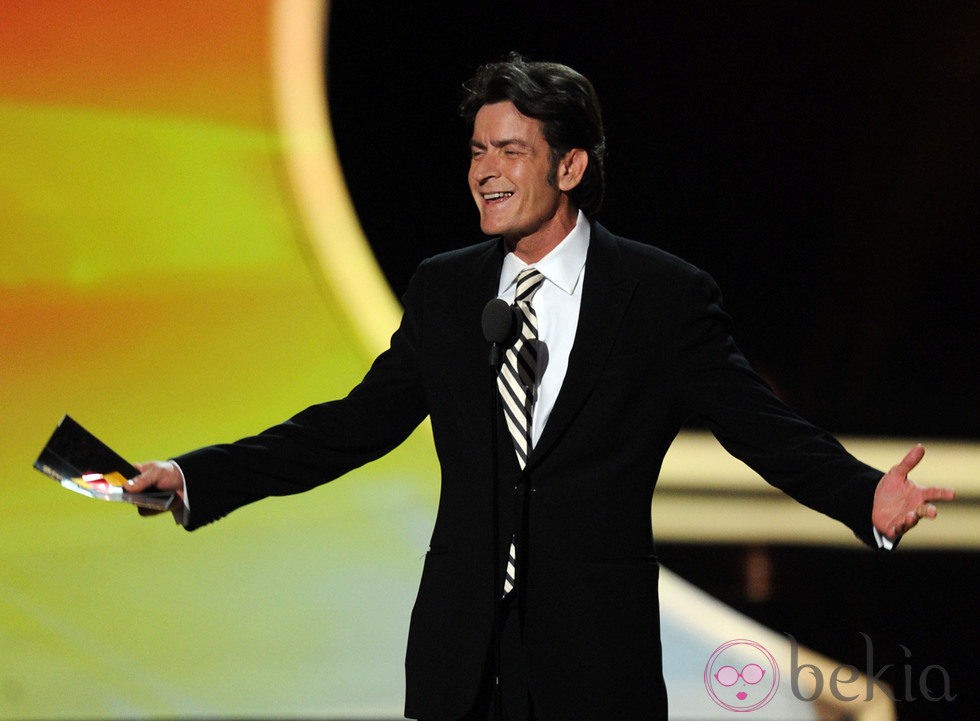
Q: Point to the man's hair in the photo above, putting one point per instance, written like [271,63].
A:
[562,99]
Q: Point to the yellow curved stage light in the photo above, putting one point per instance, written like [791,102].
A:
[316,177]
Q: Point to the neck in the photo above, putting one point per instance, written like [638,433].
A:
[532,248]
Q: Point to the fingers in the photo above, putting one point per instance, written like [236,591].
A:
[902,525]
[144,480]
[925,507]
[911,460]
[911,519]
[935,493]
[143,511]
[163,475]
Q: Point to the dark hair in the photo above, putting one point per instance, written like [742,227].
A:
[562,99]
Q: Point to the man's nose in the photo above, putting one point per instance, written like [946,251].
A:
[486,168]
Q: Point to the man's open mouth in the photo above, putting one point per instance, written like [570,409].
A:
[497,196]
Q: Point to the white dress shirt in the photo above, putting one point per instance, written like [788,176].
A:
[556,305]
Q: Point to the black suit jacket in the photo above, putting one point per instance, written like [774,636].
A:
[653,347]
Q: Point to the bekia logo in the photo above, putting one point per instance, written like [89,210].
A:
[741,675]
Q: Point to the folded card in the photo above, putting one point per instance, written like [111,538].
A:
[82,463]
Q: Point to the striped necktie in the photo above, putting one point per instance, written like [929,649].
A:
[516,381]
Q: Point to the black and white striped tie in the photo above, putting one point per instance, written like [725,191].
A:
[516,381]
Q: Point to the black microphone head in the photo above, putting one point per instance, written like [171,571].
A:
[499,321]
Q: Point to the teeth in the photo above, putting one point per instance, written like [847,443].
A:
[496,196]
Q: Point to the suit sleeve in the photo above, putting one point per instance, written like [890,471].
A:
[717,383]
[322,442]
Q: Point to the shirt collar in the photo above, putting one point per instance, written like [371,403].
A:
[562,265]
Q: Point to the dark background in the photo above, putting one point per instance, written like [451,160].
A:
[820,160]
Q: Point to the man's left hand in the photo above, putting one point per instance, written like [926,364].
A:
[899,503]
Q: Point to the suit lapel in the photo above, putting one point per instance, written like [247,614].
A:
[605,296]
[478,281]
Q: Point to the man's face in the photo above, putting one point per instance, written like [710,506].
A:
[509,175]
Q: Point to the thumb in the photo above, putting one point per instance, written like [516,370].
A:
[911,460]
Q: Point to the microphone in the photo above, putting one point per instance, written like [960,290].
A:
[500,327]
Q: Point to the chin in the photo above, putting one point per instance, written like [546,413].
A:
[490,228]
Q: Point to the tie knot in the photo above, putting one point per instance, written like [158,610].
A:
[528,282]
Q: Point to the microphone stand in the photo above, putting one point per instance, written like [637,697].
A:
[495,408]
[500,326]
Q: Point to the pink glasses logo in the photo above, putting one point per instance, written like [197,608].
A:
[741,675]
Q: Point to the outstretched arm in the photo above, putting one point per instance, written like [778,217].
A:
[899,503]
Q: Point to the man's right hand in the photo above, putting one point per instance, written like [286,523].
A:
[162,476]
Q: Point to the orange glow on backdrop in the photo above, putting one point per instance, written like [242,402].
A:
[200,59]
[157,282]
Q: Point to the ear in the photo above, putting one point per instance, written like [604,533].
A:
[571,168]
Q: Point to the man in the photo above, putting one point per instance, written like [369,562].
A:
[545,577]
